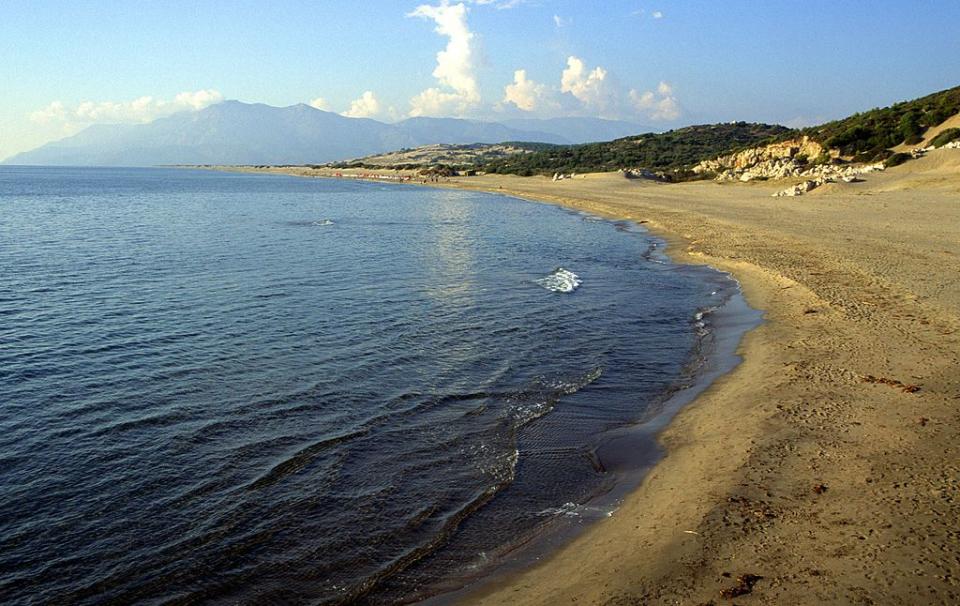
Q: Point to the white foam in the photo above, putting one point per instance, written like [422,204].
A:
[567,509]
[323,222]
[561,280]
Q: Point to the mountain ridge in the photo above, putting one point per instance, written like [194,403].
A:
[233,132]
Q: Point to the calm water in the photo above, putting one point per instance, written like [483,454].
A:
[235,388]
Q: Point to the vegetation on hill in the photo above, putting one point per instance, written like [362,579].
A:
[951,134]
[867,136]
[864,137]
[897,159]
[456,157]
[669,153]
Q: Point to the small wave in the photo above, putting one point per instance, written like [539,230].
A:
[572,387]
[567,509]
[543,396]
[310,223]
[300,459]
[561,280]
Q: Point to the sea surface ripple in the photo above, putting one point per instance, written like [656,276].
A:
[258,389]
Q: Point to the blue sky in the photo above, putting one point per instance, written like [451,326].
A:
[664,63]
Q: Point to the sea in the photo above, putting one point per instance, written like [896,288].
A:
[227,388]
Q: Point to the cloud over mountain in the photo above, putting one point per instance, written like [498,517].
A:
[141,110]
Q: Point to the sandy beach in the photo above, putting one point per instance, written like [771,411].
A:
[826,467]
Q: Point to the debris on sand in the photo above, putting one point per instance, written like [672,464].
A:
[891,382]
[745,583]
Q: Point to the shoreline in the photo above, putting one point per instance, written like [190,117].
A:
[630,452]
[627,452]
[810,471]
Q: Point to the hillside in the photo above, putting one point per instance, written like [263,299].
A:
[670,152]
[868,136]
[743,151]
[462,157]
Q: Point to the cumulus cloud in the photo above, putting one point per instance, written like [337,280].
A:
[656,15]
[197,99]
[457,91]
[588,91]
[140,110]
[320,103]
[659,105]
[595,89]
[366,106]
[55,112]
[527,94]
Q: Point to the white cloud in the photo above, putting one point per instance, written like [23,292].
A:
[661,105]
[527,94]
[499,4]
[656,15]
[561,21]
[320,103]
[366,106]
[55,112]
[595,89]
[140,110]
[458,91]
[197,99]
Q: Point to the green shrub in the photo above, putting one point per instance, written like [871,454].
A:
[868,133]
[897,159]
[909,127]
[823,158]
[669,151]
[951,134]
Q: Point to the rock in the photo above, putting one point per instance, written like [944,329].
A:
[798,190]
[771,157]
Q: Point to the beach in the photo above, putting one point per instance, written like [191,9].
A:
[824,468]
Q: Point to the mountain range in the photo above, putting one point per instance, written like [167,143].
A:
[232,132]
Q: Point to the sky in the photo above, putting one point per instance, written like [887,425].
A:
[664,63]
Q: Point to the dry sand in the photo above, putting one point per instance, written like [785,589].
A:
[828,463]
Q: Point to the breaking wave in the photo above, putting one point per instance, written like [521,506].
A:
[561,280]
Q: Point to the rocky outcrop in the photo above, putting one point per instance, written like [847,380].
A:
[829,173]
[785,160]
[790,159]
[642,173]
[797,190]
[774,161]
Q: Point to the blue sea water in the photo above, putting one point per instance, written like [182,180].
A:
[229,388]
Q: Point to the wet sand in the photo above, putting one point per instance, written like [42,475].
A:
[826,467]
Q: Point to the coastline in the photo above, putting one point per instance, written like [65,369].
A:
[809,466]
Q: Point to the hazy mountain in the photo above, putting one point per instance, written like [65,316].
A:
[240,133]
[455,131]
[226,133]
